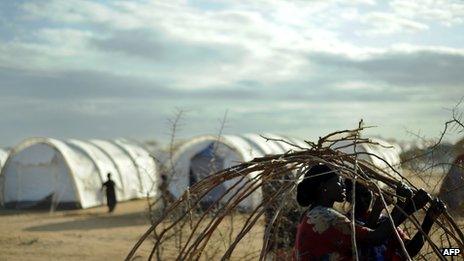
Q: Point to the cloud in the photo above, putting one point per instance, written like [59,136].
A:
[437,69]
[165,50]
[91,85]
[74,85]
[442,11]
[387,23]
[83,12]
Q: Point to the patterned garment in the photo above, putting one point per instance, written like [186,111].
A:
[393,250]
[325,234]
[367,251]
[389,250]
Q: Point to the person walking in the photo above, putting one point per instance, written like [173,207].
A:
[110,193]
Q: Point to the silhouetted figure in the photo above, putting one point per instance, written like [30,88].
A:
[110,193]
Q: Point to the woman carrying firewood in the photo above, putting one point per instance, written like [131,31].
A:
[326,234]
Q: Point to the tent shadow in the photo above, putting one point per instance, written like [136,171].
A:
[102,221]
[13,212]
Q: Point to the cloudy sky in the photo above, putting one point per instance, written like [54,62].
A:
[105,69]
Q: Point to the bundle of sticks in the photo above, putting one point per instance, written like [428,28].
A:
[198,225]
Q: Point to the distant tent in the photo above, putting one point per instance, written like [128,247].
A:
[69,174]
[378,152]
[452,188]
[203,155]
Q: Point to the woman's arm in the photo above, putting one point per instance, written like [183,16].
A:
[386,228]
[402,190]
[376,211]
[436,209]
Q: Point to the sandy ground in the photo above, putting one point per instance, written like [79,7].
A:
[90,234]
[93,234]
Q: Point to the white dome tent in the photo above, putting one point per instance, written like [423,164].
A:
[203,155]
[70,174]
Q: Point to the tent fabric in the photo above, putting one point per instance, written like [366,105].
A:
[230,150]
[3,157]
[71,173]
[452,188]
[380,153]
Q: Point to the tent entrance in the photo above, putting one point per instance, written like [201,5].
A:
[213,158]
[39,178]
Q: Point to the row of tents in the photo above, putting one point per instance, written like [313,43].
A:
[55,173]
